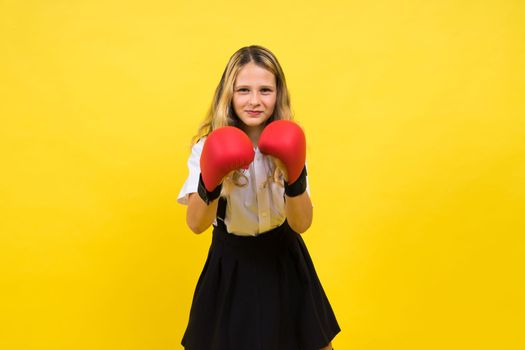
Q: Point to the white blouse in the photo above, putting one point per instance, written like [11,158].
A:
[251,209]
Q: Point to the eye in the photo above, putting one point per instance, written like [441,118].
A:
[266,91]
[242,90]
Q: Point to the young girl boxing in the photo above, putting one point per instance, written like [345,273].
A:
[258,289]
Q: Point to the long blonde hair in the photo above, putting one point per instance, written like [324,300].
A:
[221,112]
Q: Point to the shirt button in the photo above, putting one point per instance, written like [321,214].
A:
[264,214]
[246,203]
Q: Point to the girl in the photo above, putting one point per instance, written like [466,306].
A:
[258,289]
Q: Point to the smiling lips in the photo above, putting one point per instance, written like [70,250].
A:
[254,112]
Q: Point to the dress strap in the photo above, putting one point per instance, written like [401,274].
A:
[221,213]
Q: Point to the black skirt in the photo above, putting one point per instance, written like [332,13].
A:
[259,293]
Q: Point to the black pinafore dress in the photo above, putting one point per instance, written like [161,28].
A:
[259,293]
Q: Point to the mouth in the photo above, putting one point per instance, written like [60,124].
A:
[254,112]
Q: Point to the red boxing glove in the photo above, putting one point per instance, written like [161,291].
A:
[225,149]
[285,140]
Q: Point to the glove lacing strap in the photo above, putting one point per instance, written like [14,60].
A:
[298,187]
[206,195]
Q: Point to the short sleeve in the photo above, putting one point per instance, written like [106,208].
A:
[192,182]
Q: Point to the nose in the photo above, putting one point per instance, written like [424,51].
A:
[254,99]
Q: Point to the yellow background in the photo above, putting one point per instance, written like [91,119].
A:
[415,120]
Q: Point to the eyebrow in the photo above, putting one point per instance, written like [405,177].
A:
[262,86]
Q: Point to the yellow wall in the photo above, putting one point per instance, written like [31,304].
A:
[415,120]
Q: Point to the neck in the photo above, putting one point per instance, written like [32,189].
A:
[253,132]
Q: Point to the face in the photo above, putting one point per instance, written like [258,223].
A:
[254,95]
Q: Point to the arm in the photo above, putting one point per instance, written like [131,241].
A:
[299,212]
[285,142]
[199,215]
[298,209]
[225,149]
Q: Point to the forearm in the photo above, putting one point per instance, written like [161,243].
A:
[299,212]
[200,216]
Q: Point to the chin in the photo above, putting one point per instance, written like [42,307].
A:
[254,122]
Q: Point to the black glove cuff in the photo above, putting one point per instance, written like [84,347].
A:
[298,187]
[206,195]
